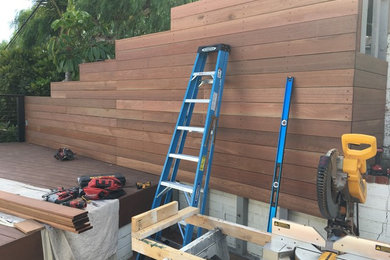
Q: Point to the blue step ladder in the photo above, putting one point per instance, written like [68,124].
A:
[280,153]
[199,78]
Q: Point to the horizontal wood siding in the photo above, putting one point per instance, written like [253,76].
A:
[123,111]
[369,96]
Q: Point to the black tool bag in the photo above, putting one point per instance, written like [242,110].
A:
[64,154]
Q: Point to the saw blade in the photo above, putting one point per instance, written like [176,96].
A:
[327,195]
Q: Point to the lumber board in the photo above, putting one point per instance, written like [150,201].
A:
[164,223]
[304,79]
[363,112]
[370,64]
[322,61]
[153,216]
[101,130]
[326,44]
[85,102]
[90,120]
[29,226]
[313,29]
[86,227]
[241,93]
[10,233]
[227,13]
[369,80]
[102,141]
[47,108]
[242,232]
[163,122]
[364,96]
[159,251]
[37,212]
[79,85]
[199,7]
[301,111]
[297,15]
[47,206]
[375,126]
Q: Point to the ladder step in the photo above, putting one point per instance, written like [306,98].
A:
[204,101]
[184,157]
[203,73]
[177,186]
[191,129]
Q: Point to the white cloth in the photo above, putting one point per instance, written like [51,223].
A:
[100,242]
[22,189]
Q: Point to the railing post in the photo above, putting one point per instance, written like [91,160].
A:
[21,118]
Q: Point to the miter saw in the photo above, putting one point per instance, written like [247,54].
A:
[340,185]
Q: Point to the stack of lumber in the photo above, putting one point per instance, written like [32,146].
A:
[58,216]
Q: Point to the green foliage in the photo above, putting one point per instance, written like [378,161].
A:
[128,18]
[8,132]
[37,31]
[64,33]
[78,40]
[26,71]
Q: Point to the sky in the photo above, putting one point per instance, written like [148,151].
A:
[7,14]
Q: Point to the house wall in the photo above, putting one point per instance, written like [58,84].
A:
[123,111]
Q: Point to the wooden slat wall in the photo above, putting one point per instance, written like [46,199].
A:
[369,96]
[123,111]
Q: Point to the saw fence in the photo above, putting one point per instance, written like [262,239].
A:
[153,221]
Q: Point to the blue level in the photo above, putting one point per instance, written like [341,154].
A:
[280,153]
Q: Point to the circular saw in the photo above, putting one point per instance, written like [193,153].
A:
[340,183]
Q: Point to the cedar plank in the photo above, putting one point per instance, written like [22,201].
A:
[301,31]
[238,11]
[324,61]
[367,79]
[201,6]
[326,44]
[370,64]
[38,204]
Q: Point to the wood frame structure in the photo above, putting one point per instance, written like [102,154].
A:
[156,220]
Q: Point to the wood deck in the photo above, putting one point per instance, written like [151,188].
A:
[35,165]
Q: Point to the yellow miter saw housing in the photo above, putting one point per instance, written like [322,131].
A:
[340,182]
[355,163]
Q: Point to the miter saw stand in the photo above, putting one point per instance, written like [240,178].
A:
[340,186]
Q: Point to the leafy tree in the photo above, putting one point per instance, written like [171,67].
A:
[37,31]
[128,18]
[26,71]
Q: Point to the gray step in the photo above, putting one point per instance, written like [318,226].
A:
[184,157]
[203,73]
[204,101]
[191,129]
[177,186]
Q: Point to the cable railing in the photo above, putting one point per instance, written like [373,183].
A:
[12,118]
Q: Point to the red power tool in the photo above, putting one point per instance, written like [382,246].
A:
[76,203]
[61,195]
